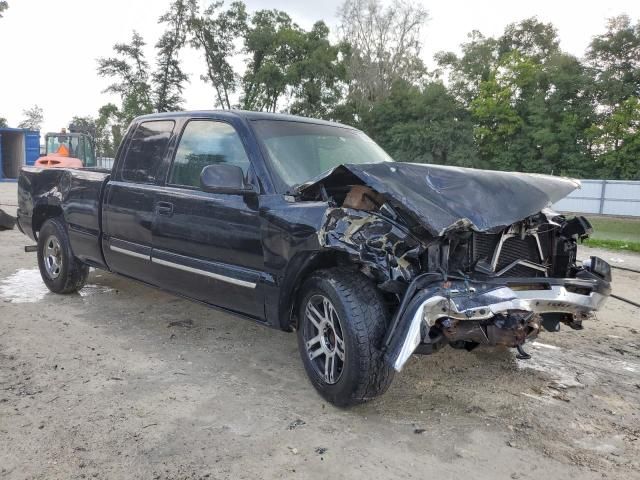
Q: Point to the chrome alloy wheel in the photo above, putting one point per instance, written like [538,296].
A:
[52,257]
[323,338]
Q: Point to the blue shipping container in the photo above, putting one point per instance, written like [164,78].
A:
[18,147]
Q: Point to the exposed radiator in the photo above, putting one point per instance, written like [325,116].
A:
[484,244]
[514,248]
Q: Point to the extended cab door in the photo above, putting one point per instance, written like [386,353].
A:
[129,204]
[207,246]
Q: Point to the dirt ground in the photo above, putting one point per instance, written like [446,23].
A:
[123,381]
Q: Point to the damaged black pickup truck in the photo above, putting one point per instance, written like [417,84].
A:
[307,225]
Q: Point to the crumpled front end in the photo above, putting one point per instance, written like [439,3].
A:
[467,313]
[485,263]
[500,288]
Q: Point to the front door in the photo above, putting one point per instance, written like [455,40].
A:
[207,246]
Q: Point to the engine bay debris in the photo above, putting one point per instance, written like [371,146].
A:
[503,264]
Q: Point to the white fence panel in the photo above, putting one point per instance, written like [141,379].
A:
[604,197]
[578,205]
[623,190]
[591,189]
[104,162]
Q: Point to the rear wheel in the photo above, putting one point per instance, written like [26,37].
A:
[60,270]
[341,321]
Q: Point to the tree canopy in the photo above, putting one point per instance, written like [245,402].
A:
[516,101]
[33,118]
[169,78]
[536,108]
[215,33]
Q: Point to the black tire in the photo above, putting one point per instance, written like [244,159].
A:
[362,320]
[69,274]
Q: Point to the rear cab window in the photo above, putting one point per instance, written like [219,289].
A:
[146,151]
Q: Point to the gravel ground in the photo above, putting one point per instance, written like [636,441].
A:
[124,381]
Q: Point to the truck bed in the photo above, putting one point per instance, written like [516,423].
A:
[74,194]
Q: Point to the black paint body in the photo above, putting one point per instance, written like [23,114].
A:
[259,240]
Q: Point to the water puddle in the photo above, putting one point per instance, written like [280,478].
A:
[92,289]
[26,286]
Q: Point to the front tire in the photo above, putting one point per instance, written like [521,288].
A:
[341,322]
[60,270]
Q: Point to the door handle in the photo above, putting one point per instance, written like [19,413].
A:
[164,208]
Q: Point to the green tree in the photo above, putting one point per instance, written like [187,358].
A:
[86,124]
[91,126]
[529,101]
[274,44]
[532,117]
[568,112]
[169,78]
[287,68]
[496,123]
[614,59]
[109,130]
[3,7]
[3,122]
[34,117]
[318,78]
[477,63]
[291,69]
[215,33]
[530,38]
[618,142]
[422,124]
[129,72]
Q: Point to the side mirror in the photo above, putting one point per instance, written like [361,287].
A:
[224,178]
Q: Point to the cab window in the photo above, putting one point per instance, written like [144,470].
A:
[146,151]
[203,143]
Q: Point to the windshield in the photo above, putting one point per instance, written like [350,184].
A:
[299,151]
[54,142]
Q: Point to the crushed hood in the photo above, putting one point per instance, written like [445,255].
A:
[442,197]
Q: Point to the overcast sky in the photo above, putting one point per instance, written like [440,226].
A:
[48,49]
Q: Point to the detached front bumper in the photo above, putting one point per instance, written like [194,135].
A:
[504,311]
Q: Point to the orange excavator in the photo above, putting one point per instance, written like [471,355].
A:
[73,149]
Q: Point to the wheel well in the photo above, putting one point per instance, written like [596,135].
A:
[41,214]
[304,269]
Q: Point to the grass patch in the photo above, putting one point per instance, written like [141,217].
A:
[613,244]
[614,233]
[614,228]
